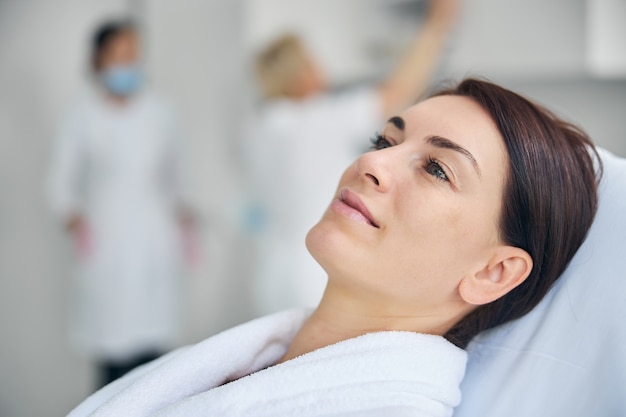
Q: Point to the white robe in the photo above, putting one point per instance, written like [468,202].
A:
[120,168]
[379,374]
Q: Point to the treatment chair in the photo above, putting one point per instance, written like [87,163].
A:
[567,357]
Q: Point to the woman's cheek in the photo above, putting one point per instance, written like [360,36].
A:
[349,174]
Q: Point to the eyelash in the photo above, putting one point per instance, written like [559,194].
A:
[434,163]
[381,142]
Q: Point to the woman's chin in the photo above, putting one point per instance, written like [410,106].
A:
[315,241]
[331,247]
[324,243]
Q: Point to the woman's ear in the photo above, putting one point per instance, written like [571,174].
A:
[508,267]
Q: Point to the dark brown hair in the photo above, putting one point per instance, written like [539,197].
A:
[549,200]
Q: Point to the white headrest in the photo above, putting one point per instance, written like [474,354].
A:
[568,356]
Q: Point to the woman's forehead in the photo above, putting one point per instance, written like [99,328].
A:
[446,110]
[459,119]
[457,116]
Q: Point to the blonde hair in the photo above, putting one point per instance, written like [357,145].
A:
[279,65]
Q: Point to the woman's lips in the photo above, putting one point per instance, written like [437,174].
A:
[349,204]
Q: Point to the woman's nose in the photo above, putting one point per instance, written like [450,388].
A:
[375,168]
[373,178]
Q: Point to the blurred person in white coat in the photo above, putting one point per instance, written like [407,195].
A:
[291,169]
[116,182]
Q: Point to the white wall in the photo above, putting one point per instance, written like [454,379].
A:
[531,38]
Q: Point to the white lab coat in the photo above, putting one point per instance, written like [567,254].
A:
[120,168]
[297,151]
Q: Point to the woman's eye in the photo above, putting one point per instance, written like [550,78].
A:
[434,168]
[379,142]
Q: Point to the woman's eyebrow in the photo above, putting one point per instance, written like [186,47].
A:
[444,143]
[397,121]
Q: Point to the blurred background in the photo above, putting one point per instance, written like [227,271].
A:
[569,55]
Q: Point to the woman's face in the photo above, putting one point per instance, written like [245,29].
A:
[413,217]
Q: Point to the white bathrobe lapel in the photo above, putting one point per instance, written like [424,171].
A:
[384,371]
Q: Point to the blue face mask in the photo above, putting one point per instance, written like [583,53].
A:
[122,80]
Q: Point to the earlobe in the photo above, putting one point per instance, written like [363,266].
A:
[508,268]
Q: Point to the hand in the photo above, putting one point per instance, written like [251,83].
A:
[186,219]
[78,229]
[75,224]
[188,225]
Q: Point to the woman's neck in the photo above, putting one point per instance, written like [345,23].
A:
[339,317]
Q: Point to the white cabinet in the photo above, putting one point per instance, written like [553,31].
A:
[606,38]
